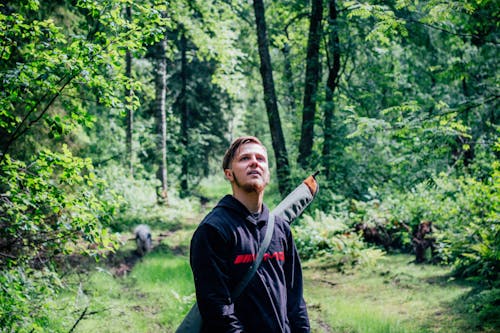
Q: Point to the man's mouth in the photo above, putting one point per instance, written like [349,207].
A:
[254,172]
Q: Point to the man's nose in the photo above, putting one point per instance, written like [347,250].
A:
[253,160]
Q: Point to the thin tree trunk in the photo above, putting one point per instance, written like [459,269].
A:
[184,117]
[161,117]
[311,84]
[128,101]
[278,139]
[331,86]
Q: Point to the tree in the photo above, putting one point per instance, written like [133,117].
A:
[200,111]
[333,58]
[278,140]
[52,201]
[184,115]
[311,84]
[128,101]
[161,118]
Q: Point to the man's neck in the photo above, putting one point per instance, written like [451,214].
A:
[252,201]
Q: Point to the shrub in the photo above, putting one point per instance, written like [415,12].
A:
[53,205]
[139,203]
[24,294]
[329,237]
[483,305]
[474,238]
[465,214]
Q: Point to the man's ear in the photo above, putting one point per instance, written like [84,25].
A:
[229,174]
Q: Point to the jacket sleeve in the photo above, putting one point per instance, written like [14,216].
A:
[296,306]
[209,263]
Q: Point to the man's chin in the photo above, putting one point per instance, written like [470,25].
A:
[256,187]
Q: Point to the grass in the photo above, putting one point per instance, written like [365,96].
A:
[392,296]
[166,280]
[149,299]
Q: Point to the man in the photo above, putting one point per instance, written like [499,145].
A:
[225,245]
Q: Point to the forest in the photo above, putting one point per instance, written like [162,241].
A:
[115,113]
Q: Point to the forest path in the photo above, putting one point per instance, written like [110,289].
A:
[393,295]
[152,293]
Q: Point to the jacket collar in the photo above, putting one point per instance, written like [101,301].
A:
[233,204]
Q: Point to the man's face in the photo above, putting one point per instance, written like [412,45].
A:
[249,169]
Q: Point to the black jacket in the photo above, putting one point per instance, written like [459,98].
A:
[222,249]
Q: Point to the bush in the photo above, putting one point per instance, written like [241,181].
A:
[474,238]
[484,307]
[465,214]
[329,237]
[54,205]
[139,203]
[24,296]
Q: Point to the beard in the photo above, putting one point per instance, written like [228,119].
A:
[256,187]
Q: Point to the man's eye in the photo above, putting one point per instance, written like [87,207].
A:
[260,158]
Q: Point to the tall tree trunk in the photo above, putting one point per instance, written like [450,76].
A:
[311,84]
[184,116]
[288,74]
[128,101]
[278,139]
[161,117]
[331,86]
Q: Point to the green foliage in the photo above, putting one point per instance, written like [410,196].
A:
[51,203]
[203,109]
[475,240]
[387,23]
[329,237]
[483,306]
[412,105]
[25,296]
[51,206]
[138,204]
[49,71]
[464,212]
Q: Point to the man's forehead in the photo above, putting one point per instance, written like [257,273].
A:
[249,148]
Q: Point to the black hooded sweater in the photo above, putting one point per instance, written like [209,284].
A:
[223,248]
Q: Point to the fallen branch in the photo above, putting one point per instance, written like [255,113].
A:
[79,319]
[327,282]
[83,315]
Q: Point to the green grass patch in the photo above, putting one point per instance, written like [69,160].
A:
[394,296]
[152,298]
[166,280]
